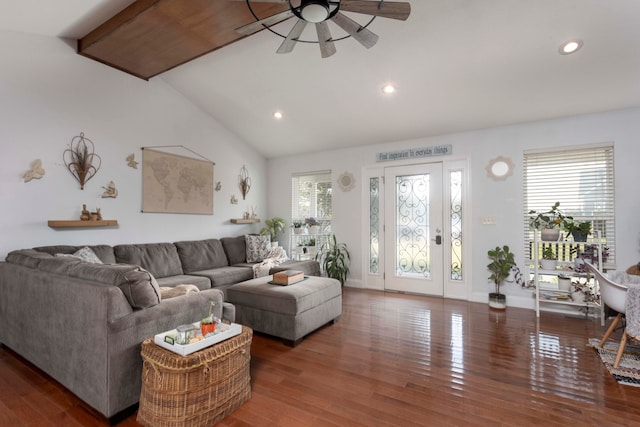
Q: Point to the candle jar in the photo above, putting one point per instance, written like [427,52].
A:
[185,333]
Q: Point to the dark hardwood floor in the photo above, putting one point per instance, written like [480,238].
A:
[395,360]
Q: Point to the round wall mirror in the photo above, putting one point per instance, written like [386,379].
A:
[346,181]
[500,168]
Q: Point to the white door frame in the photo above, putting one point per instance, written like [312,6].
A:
[457,289]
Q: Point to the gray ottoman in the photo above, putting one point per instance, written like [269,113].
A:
[289,312]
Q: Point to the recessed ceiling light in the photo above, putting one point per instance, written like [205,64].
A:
[277,115]
[389,89]
[570,46]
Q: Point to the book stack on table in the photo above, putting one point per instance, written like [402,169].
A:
[287,277]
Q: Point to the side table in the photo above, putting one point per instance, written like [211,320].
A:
[198,389]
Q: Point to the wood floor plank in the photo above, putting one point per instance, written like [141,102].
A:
[394,360]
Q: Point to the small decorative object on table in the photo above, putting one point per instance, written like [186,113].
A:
[287,277]
[208,324]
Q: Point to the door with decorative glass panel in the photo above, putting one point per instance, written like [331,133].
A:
[413,231]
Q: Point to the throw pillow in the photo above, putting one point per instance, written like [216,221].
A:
[85,254]
[258,247]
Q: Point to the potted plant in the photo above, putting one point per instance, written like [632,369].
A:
[548,222]
[549,260]
[583,291]
[589,253]
[297,226]
[313,225]
[578,229]
[271,228]
[208,324]
[335,259]
[502,260]
[564,282]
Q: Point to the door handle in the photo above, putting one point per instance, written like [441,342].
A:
[438,240]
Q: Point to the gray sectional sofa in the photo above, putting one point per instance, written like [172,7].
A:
[83,323]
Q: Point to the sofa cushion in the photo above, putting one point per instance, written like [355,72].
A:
[226,275]
[201,254]
[160,259]
[258,247]
[235,248]
[140,288]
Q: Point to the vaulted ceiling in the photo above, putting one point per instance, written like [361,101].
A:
[458,65]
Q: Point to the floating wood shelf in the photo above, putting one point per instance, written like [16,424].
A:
[244,221]
[53,223]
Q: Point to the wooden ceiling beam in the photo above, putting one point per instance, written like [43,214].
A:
[150,37]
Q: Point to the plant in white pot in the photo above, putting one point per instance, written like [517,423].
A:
[502,260]
[548,222]
[271,228]
[549,260]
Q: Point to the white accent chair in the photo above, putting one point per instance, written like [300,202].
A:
[615,296]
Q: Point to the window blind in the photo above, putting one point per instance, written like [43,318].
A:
[581,179]
[311,196]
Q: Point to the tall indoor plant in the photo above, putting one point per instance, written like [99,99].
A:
[502,260]
[271,228]
[335,259]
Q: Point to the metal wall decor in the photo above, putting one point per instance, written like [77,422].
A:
[245,182]
[81,160]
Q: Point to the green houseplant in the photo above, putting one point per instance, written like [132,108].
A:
[335,259]
[502,260]
[578,229]
[272,227]
[548,222]
[549,260]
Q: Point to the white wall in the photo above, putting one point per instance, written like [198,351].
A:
[48,95]
[502,200]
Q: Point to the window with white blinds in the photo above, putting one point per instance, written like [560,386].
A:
[581,179]
[311,196]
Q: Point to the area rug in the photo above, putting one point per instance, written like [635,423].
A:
[628,371]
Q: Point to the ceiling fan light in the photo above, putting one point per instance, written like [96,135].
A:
[314,12]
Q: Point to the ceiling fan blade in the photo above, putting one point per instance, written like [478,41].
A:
[289,43]
[355,30]
[254,27]
[385,9]
[327,47]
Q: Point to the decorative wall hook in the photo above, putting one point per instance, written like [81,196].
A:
[245,182]
[79,159]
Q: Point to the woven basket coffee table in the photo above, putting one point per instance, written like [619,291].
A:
[198,389]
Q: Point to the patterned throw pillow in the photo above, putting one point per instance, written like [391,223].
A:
[85,254]
[258,247]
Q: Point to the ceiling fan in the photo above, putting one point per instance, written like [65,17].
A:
[319,12]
